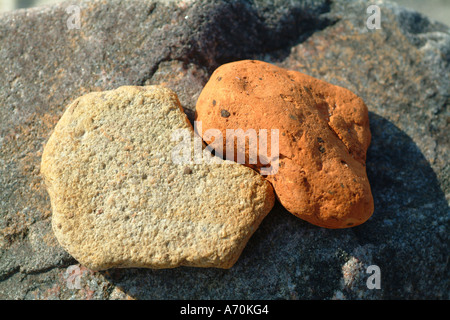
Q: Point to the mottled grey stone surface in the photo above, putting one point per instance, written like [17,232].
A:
[402,71]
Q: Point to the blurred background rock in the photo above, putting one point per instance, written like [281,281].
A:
[8,5]
[435,9]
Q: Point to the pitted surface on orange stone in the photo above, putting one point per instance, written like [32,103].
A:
[323,137]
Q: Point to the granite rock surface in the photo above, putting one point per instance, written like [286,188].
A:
[401,71]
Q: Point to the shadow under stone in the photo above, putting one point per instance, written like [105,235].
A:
[409,229]
[288,258]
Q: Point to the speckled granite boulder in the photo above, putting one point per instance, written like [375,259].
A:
[401,71]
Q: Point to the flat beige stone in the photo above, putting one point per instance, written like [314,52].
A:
[118,200]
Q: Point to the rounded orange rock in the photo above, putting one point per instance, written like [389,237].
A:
[323,135]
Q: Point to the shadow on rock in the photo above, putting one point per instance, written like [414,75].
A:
[288,258]
[409,226]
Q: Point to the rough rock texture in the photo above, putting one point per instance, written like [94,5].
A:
[401,71]
[119,200]
[321,143]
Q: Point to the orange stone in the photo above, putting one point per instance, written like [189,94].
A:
[323,137]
